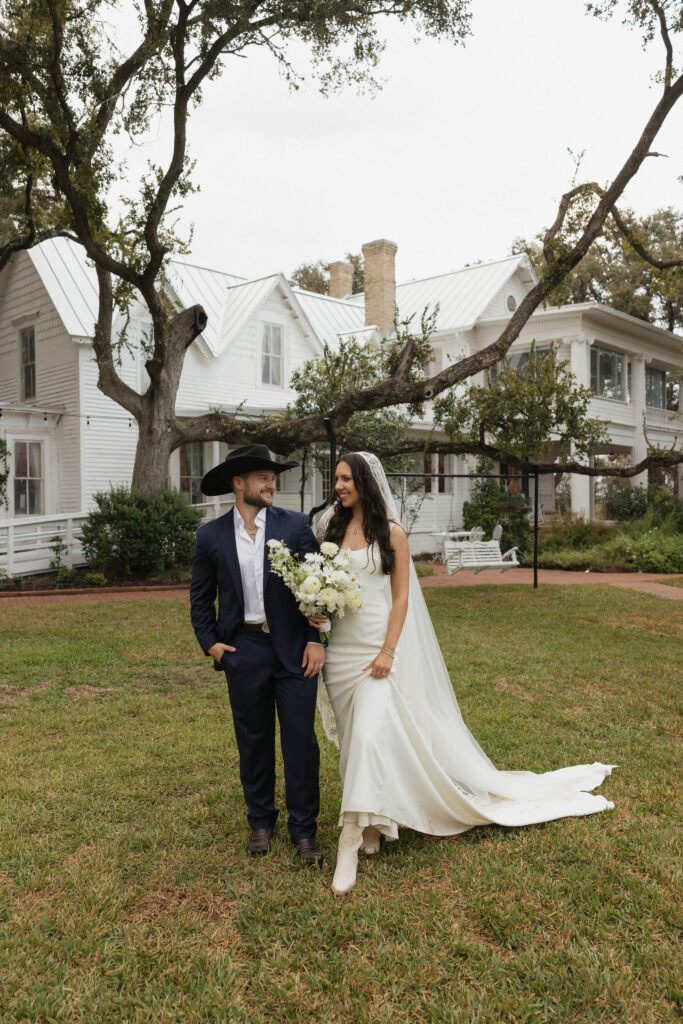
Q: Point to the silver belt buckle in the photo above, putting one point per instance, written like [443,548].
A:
[265,627]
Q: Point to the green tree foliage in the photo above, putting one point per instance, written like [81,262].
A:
[314,277]
[71,80]
[320,383]
[524,413]
[615,274]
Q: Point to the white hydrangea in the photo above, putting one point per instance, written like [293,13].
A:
[329,549]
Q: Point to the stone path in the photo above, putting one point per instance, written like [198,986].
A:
[647,583]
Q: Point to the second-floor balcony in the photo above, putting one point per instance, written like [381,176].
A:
[664,419]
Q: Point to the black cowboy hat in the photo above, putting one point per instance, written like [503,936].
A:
[243,460]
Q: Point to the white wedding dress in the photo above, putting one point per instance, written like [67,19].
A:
[406,755]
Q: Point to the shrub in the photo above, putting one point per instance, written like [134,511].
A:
[66,575]
[95,579]
[11,582]
[664,509]
[133,534]
[655,551]
[576,533]
[624,501]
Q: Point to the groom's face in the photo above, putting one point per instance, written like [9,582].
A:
[256,488]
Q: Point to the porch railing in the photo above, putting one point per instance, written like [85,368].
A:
[26,542]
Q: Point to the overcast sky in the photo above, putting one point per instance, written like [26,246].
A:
[462,150]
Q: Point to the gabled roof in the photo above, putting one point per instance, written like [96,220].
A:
[242,300]
[71,283]
[462,295]
[192,284]
[331,317]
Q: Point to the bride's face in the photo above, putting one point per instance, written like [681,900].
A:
[344,486]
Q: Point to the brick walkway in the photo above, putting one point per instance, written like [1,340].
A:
[647,583]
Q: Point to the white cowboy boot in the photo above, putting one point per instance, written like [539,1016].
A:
[371,840]
[347,858]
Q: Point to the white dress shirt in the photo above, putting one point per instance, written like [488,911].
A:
[250,556]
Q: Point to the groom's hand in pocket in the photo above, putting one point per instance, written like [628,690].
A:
[313,659]
[218,650]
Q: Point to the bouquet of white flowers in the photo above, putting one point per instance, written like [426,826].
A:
[321,583]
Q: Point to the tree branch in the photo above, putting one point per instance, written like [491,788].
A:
[109,382]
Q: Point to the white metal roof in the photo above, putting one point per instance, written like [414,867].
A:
[229,300]
[331,317]
[198,285]
[462,295]
[71,282]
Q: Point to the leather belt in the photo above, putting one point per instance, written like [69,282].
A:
[254,627]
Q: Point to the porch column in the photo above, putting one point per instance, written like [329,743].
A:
[638,403]
[579,364]
[579,358]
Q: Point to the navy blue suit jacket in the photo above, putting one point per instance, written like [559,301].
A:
[216,572]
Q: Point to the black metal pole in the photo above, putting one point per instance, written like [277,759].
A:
[535,529]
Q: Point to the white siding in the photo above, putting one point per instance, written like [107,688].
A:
[498,305]
[109,433]
[235,376]
[24,302]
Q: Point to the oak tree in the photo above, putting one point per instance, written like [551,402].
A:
[67,89]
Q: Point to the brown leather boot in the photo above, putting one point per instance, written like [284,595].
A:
[309,851]
[260,841]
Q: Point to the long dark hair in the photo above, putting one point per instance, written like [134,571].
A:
[376,525]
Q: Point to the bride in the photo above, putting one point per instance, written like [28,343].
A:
[406,756]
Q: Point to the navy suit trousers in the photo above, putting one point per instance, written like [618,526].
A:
[258,684]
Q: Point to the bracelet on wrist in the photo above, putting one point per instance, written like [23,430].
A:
[385,650]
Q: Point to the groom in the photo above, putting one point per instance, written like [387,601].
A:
[270,654]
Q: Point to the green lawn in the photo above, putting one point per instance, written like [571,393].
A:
[126,894]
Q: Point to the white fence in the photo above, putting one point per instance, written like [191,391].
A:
[27,542]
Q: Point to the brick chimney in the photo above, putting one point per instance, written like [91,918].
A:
[380,284]
[341,279]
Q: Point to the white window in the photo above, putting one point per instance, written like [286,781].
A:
[608,373]
[655,388]
[272,356]
[28,363]
[192,470]
[28,478]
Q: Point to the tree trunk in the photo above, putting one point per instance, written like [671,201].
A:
[158,429]
[156,441]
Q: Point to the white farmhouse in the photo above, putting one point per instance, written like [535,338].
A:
[67,441]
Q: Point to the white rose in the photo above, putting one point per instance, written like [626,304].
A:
[354,600]
[329,549]
[275,544]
